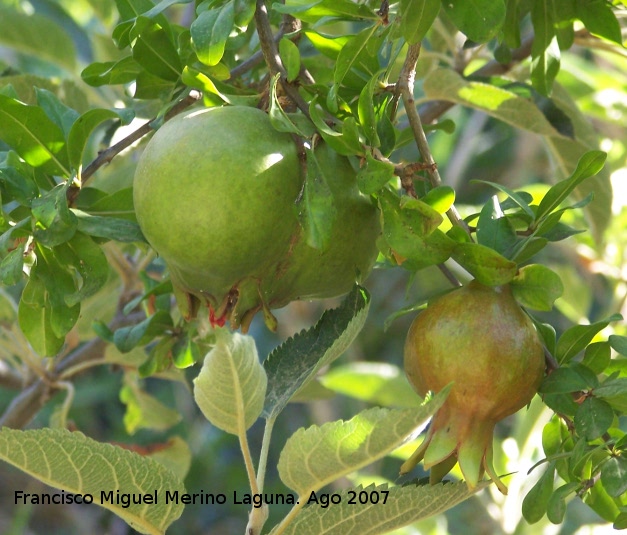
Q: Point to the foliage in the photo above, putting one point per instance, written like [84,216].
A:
[511,187]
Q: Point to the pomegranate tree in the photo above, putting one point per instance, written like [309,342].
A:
[478,338]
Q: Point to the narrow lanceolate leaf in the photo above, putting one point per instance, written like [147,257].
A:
[545,52]
[76,464]
[318,455]
[417,16]
[231,387]
[386,509]
[589,165]
[296,361]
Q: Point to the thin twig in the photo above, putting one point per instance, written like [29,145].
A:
[272,58]
[406,89]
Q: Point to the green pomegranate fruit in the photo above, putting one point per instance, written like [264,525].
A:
[478,338]
[216,194]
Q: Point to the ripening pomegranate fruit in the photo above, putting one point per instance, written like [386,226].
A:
[478,338]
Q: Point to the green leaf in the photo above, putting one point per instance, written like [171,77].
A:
[514,196]
[231,387]
[545,52]
[351,53]
[374,175]
[614,475]
[144,411]
[317,210]
[535,502]
[536,286]
[122,71]
[280,120]
[597,356]
[574,339]
[618,343]
[79,465]
[80,131]
[56,224]
[210,32]
[378,383]
[290,57]
[126,338]
[12,267]
[318,455]
[366,111]
[17,183]
[556,508]
[599,19]
[485,264]
[89,261]
[498,102]
[33,135]
[34,317]
[63,116]
[341,9]
[339,142]
[495,230]
[417,17]
[440,198]
[480,20]
[410,230]
[562,381]
[111,228]
[403,505]
[589,165]
[593,418]
[154,51]
[38,36]
[298,359]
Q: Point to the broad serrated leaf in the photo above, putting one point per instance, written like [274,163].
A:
[416,18]
[480,20]
[296,361]
[318,455]
[231,387]
[403,506]
[536,286]
[485,264]
[74,463]
[33,135]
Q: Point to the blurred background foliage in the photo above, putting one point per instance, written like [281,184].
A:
[48,42]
